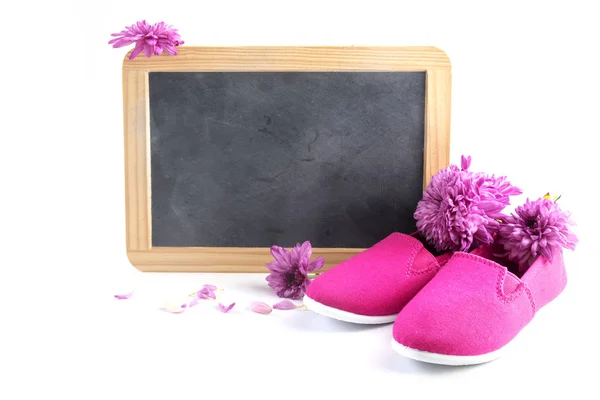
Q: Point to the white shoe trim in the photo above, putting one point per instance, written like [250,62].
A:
[445,359]
[346,316]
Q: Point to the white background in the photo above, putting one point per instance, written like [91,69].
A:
[525,103]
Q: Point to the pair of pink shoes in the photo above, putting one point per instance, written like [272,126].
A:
[459,306]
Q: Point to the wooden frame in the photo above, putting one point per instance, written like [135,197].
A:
[140,251]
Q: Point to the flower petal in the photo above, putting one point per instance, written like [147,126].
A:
[316,264]
[281,255]
[285,305]
[260,307]
[276,266]
[148,50]
[137,50]
[296,255]
[465,162]
[123,296]
[209,287]
[173,309]
[206,293]
[306,249]
[119,42]
[170,49]
[225,309]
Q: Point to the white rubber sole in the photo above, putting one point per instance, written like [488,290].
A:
[445,359]
[346,316]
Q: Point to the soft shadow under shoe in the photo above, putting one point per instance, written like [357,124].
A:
[373,286]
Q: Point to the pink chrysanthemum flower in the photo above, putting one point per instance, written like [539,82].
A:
[289,272]
[537,228]
[151,39]
[460,209]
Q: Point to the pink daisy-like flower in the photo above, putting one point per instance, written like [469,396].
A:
[289,272]
[537,228]
[151,39]
[460,209]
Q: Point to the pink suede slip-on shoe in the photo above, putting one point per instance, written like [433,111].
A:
[474,307]
[373,286]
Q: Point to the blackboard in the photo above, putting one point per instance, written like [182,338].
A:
[252,159]
[230,150]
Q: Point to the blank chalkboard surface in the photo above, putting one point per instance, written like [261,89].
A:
[232,150]
[246,159]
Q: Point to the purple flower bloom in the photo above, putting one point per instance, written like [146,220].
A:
[289,272]
[152,39]
[460,208]
[537,228]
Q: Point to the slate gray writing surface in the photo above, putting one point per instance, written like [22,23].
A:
[242,159]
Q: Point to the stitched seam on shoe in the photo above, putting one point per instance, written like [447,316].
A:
[413,272]
[410,271]
[530,296]
[479,259]
[500,286]
[444,262]
[411,259]
[502,272]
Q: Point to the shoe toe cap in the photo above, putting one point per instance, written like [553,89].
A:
[452,329]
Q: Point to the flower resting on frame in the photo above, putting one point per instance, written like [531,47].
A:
[289,271]
[537,228]
[151,39]
[460,209]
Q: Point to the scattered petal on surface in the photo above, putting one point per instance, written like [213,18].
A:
[224,308]
[193,302]
[285,305]
[209,287]
[206,293]
[260,307]
[169,307]
[123,296]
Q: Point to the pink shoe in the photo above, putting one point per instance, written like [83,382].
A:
[373,286]
[474,307]
[459,210]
